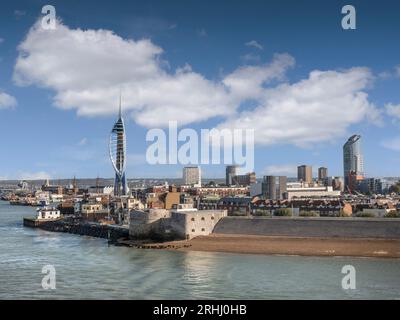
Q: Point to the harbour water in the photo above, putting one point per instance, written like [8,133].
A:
[88,268]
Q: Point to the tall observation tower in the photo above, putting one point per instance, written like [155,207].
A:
[118,154]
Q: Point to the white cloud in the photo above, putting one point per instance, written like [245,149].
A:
[254,44]
[250,57]
[393,110]
[392,144]
[7,101]
[33,175]
[319,108]
[1,40]
[19,13]
[284,170]
[397,71]
[202,32]
[88,68]
[247,82]
[83,142]
[390,74]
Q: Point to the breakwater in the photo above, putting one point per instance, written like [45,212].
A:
[110,232]
[375,228]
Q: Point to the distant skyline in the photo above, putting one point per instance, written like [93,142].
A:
[285,68]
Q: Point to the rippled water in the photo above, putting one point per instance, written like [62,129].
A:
[87,268]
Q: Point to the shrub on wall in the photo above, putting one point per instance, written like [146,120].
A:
[283,212]
[309,214]
[393,214]
[365,215]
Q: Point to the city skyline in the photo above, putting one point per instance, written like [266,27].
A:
[276,70]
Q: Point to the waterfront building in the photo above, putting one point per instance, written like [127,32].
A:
[94,211]
[117,148]
[274,187]
[230,172]
[192,176]
[353,161]
[370,186]
[235,206]
[48,213]
[337,183]
[244,179]
[207,202]
[302,206]
[304,174]
[163,199]
[310,192]
[171,198]
[221,191]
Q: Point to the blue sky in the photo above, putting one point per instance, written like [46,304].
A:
[58,127]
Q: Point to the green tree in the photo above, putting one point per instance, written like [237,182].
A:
[283,212]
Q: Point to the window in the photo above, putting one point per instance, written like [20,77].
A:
[202,218]
[192,219]
[202,229]
[212,218]
[193,230]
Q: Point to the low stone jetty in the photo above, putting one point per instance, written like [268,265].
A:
[151,244]
[110,232]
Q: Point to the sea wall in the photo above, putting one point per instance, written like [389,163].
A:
[379,228]
[110,232]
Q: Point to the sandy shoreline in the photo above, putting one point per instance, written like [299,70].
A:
[272,245]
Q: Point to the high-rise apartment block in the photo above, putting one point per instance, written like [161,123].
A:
[274,187]
[192,176]
[230,173]
[322,173]
[304,174]
[353,162]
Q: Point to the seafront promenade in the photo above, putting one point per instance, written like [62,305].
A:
[320,227]
[358,237]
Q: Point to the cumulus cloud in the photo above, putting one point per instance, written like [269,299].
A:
[83,142]
[393,110]
[392,144]
[7,101]
[319,108]
[247,82]
[87,69]
[33,175]
[254,44]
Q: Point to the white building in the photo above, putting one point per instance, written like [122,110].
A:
[101,189]
[307,192]
[192,176]
[47,213]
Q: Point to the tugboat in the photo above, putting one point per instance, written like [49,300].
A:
[43,215]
